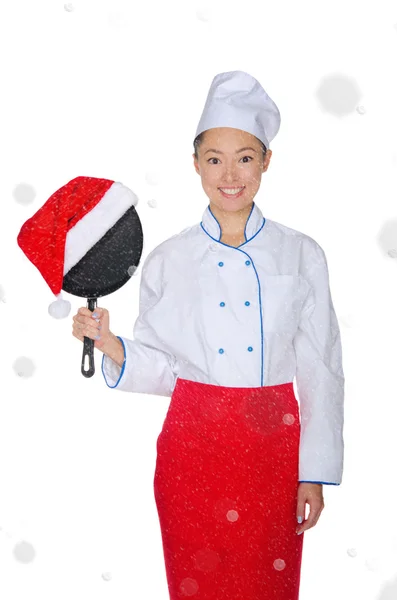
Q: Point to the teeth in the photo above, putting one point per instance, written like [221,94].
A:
[232,191]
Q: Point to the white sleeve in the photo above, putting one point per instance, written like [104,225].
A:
[147,367]
[320,381]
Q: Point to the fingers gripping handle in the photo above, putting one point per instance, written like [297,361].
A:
[88,349]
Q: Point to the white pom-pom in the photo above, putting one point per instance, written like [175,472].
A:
[60,308]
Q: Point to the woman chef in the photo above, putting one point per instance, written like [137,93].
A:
[231,310]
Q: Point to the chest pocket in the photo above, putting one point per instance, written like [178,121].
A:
[280,303]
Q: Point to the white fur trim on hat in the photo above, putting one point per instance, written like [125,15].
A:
[93,226]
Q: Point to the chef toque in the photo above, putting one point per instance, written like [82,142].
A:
[236,99]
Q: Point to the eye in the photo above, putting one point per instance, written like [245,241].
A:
[214,158]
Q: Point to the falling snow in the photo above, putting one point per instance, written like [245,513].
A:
[24,367]
[204,13]
[131,270]
[24,552]
[338,94]
[24,193]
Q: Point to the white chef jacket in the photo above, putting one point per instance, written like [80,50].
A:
[257,315]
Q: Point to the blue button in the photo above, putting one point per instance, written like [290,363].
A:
[221,350]
[222,304]
[247,303]
[250,348]
[220,264]
[247,262]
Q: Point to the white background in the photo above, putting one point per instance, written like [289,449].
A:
[116,90]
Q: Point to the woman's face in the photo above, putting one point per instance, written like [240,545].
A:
[229,168]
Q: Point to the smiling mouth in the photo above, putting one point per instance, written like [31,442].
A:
[231,194]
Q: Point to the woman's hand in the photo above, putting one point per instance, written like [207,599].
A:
[312,493]
[94,325]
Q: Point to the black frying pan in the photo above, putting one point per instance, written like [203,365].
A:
[105,268]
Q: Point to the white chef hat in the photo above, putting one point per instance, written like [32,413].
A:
[236,99]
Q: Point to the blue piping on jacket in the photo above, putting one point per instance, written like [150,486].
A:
[252,262]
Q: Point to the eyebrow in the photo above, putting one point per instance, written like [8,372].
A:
[219,152]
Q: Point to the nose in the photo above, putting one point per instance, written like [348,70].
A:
[229,175]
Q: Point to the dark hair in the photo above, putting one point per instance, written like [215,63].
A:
[200,137]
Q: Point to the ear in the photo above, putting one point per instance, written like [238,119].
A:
[266,161]
[195,163]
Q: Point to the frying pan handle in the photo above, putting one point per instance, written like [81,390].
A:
[88,349]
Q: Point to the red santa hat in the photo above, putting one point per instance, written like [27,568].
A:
[68,225]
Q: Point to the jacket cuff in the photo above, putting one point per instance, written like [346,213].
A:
[323,482]
[111,371]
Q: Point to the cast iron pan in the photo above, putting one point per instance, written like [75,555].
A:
[105,268]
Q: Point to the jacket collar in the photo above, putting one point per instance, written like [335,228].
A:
[254,223]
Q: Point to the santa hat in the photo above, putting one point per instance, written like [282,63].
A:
[68,225]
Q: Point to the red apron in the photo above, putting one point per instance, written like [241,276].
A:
[225,487]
